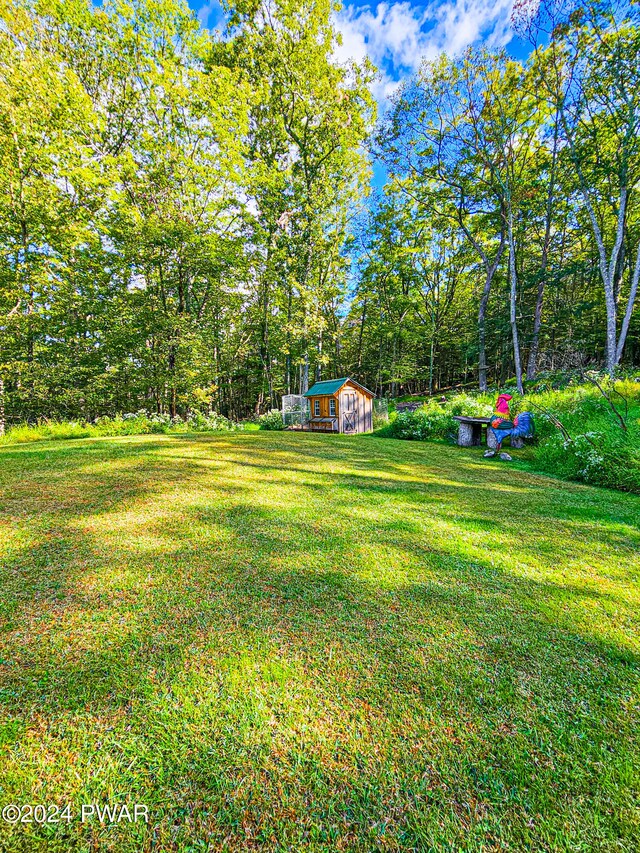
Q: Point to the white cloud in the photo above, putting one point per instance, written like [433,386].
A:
[212,9]
[464,22]
[398,36]
[388,32]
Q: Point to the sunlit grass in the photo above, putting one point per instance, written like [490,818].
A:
[288,642]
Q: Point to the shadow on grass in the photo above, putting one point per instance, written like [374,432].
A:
[303,628]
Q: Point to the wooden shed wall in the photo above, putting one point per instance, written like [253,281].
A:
[363,406]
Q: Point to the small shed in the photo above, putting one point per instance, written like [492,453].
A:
[340,405]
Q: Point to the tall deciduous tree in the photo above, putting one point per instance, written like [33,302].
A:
[590,72]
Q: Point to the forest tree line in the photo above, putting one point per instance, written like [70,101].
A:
[507,238]
[185,220]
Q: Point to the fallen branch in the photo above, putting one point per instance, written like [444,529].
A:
[623,423]
[554,420]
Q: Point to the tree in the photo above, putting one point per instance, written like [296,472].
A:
[47,191]
[590,75]
[309,118]
[444,155]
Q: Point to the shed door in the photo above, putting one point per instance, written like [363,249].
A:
[350,421]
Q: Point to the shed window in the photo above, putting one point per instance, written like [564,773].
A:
[316,408]
[332,408]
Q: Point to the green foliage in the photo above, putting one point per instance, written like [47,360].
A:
[600,459]
[198,422]
[380,420]
[178,209]
[436,420]
[174,204]
[138,423]
[494,248]
[594,448]
[50,430]
[271,420]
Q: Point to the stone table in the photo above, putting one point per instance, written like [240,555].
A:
[470,433]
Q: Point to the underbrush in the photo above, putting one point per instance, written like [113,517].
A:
[586,436]
[435,420]
[133,423]
[271,420]
[582,433]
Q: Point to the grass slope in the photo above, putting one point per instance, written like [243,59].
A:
[288,642]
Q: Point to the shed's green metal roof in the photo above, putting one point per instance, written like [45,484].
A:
[329,386]
[332,386]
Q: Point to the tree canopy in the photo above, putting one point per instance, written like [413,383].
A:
[186,219]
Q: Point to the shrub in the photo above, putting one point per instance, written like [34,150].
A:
[435,420]
[465,404]
[210,423]
[45,431]
[380,420]
[600,459]
[599,451]
[131,423]
[159,423]
[271,420]
[422,424]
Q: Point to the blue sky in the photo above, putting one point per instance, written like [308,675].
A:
[397,36]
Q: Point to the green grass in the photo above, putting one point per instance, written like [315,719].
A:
[291,642]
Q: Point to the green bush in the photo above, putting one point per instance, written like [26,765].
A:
[600,459]
[271,420]
[436,420]
[210,423]
[380,420]
[131,423]
[598,450]
[46,431]
[420,425]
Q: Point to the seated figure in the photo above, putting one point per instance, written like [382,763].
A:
[503,427]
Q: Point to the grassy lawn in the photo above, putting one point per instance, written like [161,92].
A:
[287,642]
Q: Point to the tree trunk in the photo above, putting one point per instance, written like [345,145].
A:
[532,363]
[319,364]
[482,349]
[630,304]
[512,306]
[490,269]
[361,333]
[607,269]
[289,342]
[611,344]
[2,420]
[431,354]
[172,370]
